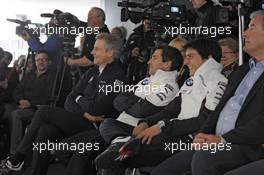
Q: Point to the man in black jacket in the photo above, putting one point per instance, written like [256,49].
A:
[206,16]
[85,106]
[33,90]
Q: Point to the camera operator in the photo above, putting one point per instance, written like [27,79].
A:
[96,20]
[203,11]
[137,52]
[53,45]
[206,14]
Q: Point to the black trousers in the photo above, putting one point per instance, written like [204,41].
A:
[81,161]
[207,163]
[111,128]
[49,124]
[149,155]
[254,168]
[160,149]
[152,154]
[203,162]
[177,164]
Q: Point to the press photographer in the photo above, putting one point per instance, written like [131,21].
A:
[137,51]
[172,18]
[96,21]
[154,16]
[53,44]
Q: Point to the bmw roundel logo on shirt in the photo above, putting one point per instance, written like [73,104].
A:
[145,82]
[189,82]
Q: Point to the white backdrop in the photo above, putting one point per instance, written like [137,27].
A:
[32,9]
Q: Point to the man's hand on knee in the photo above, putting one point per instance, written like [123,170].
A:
[140,128]
[147,135]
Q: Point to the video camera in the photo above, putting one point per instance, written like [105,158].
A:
[163,11]
[64,25]
[24,26]
[258,4]
[250,5]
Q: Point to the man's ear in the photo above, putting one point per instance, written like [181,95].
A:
[168,65]
[110,53]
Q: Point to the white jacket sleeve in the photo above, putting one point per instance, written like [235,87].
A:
[159,89]
[164,95]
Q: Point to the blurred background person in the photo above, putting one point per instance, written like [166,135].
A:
[6,87]
[137,52]
[95,19]
[179,44]
[230,55]
[5,60]
[121,32]
[206,13]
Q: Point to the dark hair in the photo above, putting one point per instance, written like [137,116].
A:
[8,56]
[171,54]
[1,52]
[43,52]
[205,48]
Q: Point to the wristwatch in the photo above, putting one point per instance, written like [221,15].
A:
[161,124]
[78,98]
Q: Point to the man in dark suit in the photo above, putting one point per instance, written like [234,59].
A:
[233,133]
[239,117]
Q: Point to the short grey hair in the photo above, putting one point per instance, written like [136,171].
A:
[258,13]
[112,42]
[100,12]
